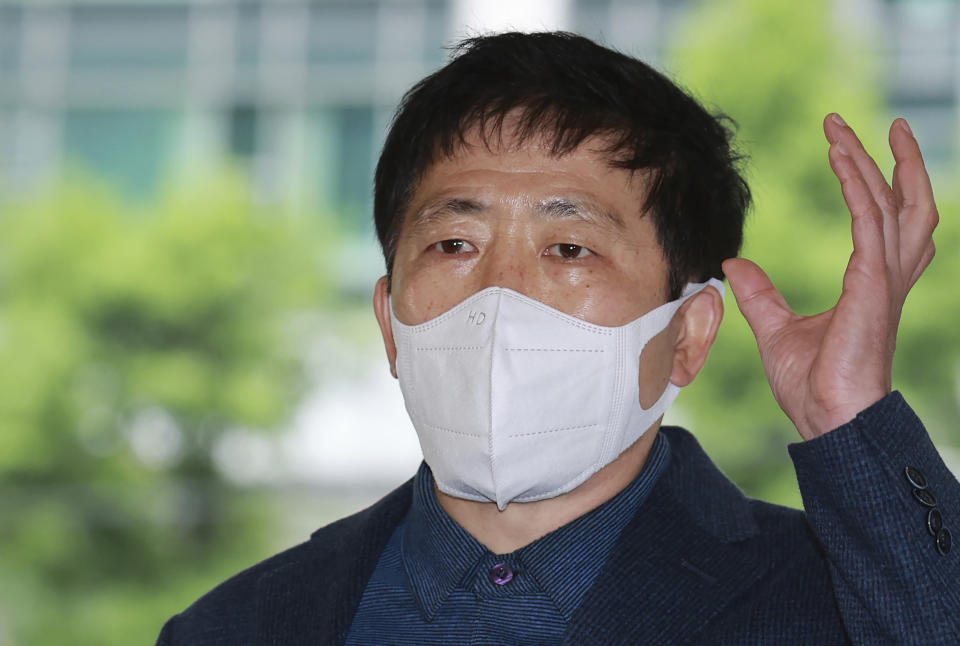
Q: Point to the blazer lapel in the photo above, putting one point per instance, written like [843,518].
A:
[681,560]
[313,601]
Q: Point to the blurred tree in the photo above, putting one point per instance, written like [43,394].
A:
[129,342]
[777,69]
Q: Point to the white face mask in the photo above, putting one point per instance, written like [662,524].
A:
[516,401]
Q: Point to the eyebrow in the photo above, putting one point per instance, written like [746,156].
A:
[437,211]
[579,209]
[554,208]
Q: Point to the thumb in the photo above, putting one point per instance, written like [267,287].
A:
[761,304]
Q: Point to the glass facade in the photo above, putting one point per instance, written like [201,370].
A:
[925,70]
[131,147]
[139,37]
[10,17]
[301,91]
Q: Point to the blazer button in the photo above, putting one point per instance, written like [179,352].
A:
[934,522]
[916,478]
[943,541]
[925,498]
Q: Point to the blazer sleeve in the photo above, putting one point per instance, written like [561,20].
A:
[885,509]
[166,637]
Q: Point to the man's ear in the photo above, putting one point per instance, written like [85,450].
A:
[699,321]
[381,308]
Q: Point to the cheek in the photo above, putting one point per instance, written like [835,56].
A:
[426,296]
[604,302]
[425,285]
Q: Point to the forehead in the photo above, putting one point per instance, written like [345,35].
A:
[496,168]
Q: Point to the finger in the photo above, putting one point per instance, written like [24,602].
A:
[761,304]
[914,187]
[924,262]
[838,131]
[880,191]
[870,256]
[914,195]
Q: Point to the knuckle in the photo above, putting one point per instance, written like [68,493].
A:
[888,203]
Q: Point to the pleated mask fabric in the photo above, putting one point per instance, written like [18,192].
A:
[513,400]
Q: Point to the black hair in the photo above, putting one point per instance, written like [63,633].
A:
[566,88]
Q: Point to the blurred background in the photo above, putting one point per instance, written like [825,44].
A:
[190,374]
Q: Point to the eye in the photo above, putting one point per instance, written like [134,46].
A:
[568,251]
[455,246]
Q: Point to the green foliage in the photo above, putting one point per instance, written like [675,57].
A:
[129,342]
[131,339]
[778,68]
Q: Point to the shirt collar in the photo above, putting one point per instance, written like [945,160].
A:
[438,554]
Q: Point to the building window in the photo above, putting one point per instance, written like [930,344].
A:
[128,36]
[343,32]
[129,148]
[243,130]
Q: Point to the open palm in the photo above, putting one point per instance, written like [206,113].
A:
[824,369]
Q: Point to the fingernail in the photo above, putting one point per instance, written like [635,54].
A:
[906,126]
[837,119]
[841,149]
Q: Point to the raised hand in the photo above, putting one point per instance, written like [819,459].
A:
[824,369]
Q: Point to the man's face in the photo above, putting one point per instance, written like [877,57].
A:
[567,231]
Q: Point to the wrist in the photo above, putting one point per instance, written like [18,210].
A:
[825,419]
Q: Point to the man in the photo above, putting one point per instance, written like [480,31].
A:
[554,217]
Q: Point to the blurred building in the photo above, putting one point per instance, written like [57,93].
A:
[301,91]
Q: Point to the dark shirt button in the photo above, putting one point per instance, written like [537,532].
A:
[934,522]
[916,478]
[501,574]
[944,540]
[925,498]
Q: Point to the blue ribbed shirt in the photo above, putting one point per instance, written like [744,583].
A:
[436,584]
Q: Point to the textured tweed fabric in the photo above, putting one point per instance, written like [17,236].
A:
[698,563]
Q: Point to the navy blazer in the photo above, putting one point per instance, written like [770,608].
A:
[699,564]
